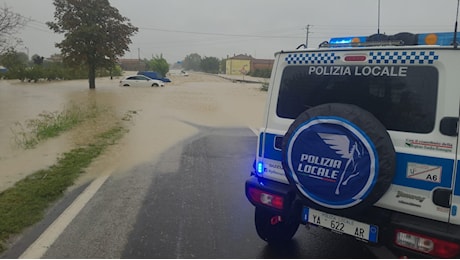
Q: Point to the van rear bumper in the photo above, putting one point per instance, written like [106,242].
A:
[387,221]
[424,227]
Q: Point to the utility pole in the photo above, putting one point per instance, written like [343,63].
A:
[308,32]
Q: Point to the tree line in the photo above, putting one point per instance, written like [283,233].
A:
[96,35]
[18,66]
[214,65]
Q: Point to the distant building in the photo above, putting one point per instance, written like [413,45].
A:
[55,58]
[262,64]
[132,64]
[238,65]
[244,64]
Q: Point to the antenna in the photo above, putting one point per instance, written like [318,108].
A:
[455,28]
[308,32]
[378,18]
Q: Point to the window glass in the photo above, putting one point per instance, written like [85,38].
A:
[403,98]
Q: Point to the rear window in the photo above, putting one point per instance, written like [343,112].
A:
[403,98]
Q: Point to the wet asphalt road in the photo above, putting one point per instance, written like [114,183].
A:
[188,204]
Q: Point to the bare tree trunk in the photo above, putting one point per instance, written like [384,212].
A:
[92,76]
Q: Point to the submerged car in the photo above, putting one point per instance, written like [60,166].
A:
[140,81]
[154,75]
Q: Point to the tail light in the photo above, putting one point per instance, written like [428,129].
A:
[266,198]
[426,244]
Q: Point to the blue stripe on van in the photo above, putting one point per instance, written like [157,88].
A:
[457,184]
[269,149]
[402,159]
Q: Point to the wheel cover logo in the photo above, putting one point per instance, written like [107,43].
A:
[332,162]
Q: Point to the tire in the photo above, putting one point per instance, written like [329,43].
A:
[339,157]
[273,228]
[154,85]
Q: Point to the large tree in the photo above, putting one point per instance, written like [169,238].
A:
[192,62]
[10,23]
[158,64]
[210,65]
[95,34]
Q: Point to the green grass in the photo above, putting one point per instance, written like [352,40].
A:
[51,124]
[26,202]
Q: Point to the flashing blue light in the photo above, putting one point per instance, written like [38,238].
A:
[347,40]
[260,167]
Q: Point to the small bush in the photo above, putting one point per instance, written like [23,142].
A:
[264,86]
[261,73]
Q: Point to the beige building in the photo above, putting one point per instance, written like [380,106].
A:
[238,65]
[243,64]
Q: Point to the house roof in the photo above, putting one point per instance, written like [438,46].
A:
[241,57]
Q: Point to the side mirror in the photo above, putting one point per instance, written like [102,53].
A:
[449,126]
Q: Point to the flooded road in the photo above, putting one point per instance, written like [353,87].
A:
[160,117]
[175,181]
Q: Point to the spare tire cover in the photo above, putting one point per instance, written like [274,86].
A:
[339,157]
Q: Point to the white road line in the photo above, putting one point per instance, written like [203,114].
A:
[47,238]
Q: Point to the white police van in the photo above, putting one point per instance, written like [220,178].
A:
[360,137]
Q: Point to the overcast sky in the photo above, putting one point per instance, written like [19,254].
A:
[217,28]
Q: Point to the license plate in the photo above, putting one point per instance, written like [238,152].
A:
[340,224]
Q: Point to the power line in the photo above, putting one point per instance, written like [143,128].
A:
[218,34]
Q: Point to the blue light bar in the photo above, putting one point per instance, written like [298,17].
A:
[442,38]
[438,38]
[347,40]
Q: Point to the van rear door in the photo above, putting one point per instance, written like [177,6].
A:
[427,153]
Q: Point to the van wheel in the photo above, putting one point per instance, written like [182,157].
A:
[339,157]
[274,228]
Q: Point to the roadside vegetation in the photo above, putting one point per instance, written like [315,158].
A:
[51,124]
[82,56]
[25,203]
[214,65]
[20,67]
[264,86]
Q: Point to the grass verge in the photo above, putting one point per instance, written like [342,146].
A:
[51,124]
[25,203]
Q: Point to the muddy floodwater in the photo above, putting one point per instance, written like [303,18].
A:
[159,118]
